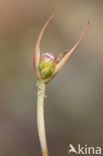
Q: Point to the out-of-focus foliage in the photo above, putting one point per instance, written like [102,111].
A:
[74,107]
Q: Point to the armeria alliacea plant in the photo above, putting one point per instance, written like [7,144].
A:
[46,67]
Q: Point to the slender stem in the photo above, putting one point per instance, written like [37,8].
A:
[40,118]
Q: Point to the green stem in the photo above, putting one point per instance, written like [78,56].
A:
[40,118]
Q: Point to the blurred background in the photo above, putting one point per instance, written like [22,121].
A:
[74,107]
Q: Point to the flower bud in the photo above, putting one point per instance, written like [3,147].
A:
[46,65]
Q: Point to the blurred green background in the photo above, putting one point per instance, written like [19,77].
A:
[74,107]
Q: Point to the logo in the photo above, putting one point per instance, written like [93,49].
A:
[84,150]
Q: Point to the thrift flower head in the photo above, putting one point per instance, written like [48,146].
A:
[47,66]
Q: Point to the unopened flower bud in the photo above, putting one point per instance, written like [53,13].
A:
[46,65]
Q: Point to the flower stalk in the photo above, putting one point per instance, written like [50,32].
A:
[46,67]
[40,117]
